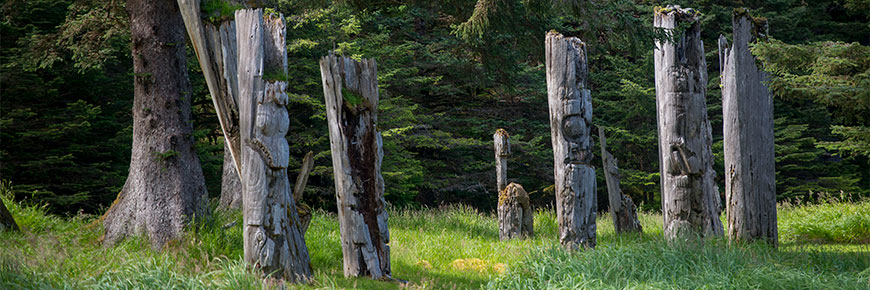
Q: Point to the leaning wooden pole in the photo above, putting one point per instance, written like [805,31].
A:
[570,105]
[350,88]
[273,242]
[747,109]
[502,145]
[621,207]
[690,197]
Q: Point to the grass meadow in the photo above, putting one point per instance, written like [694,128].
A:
[824,246]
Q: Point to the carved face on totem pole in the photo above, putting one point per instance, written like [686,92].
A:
[682,164]
[575,127]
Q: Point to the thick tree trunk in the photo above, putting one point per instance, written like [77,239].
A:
[299,190]
[570,120]
[502,145]
[515,215]
[273,241]
[165,187]
[621,207]
[351,91]
[747,109]
[231,185]
[7,222]
[690,196]
[215,47]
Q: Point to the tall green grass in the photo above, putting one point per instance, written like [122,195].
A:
[446,248]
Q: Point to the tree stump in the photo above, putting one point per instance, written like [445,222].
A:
[570,105]
[350,88]
[747,108]
[502,144]
[690,196]
[621,207]
[515,215]
[273,242]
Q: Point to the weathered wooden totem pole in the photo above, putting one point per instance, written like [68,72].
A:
[570,105]
[351,91]
[747,108]
[621,207]
[690,196]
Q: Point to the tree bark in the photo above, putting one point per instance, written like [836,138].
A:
[350,88]
[165,187]
[273,241]
[7,222]
[570,105]
[231,185]
[621,207]
[690,196]
[747,109]
[502,144]
[515,215]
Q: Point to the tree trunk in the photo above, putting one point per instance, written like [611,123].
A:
[351,91]
[690,196]
[570,120]
[747,108]
[515,215]
[621,207]
[502,145]
[273,241]
[215,47]
[7,222]
[299,190]
[165,187]
[231,185]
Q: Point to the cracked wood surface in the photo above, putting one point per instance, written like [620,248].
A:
[690,197]
[570,104]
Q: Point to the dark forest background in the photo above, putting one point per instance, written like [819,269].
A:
[450,73]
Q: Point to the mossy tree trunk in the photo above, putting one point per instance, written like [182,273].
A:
[515,215]
[273,241]
[165,188]
[350,88]
[747,108]
[690,198]
[570,105]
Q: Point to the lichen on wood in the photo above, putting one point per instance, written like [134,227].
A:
[690,197]
[515,214]
[570,104]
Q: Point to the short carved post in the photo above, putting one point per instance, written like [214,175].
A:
[747,108]
[621,207]
[515,215]
[570,105]
[690,197]
[350,88]
[502,144]
[273,242]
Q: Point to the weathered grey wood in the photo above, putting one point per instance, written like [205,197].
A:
[350,88]
[273,241]
[690,197]
[7,222]
[231,185]
[621,207]
[502,145]
[299,190]
[215,49]
[515,215]
[747,109]
[570,105]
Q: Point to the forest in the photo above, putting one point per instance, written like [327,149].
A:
[123,124]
